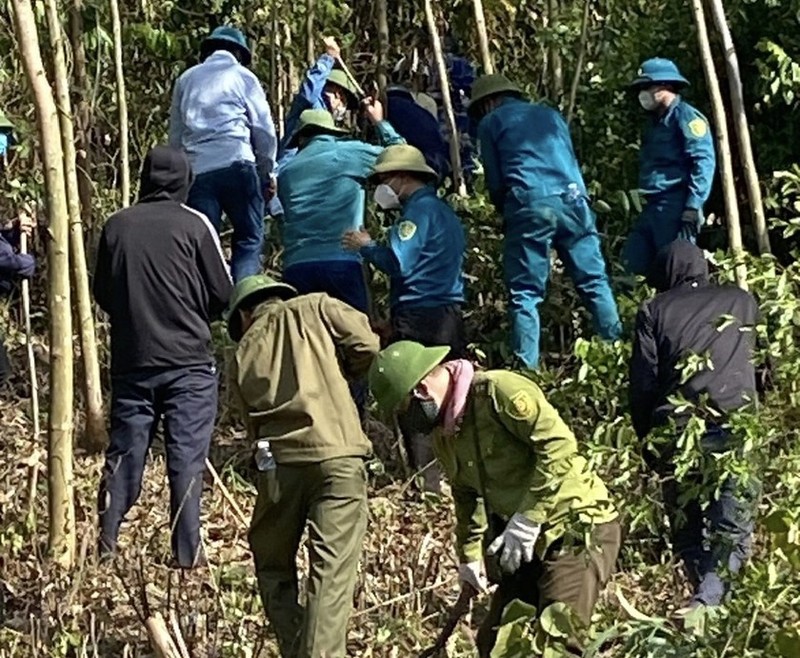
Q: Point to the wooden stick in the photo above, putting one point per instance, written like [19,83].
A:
[455,147]
[350,77]
[26,314]
[483,39]
[160,639]
[240,515]
[176,629]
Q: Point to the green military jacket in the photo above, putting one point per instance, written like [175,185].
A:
[289,377]
[530,462]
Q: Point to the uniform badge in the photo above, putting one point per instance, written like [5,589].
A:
[522,405]
[406,230]
[698,127]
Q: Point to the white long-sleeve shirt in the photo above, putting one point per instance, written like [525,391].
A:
[220,115]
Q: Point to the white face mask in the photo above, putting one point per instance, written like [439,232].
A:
[386,197]
[339,113]
[647,100]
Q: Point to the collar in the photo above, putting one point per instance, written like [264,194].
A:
[425,190]
[673,106]
[222,54]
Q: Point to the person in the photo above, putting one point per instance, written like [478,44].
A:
[161,277]
[414,116]
[221,118]
[6,135]
[534,180]
[294,355]
[676,165]
[424,261]
[691,316]
[13,267]
[324,88]
[516,477]
[322,193]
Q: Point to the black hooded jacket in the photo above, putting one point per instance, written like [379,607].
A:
[160,272]
[690,316]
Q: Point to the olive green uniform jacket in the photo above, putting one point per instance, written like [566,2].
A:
[530,462]
[290,370]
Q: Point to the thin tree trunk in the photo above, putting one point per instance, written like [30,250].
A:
[26,314]
[122,104]
[576,78]
[447,102]
[723,143]
[383,44]
[83,120]
[742,129]
[60,418]
[556,62]
[310,50]
[483,39]
[95,435]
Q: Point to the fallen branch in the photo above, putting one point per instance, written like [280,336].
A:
[160,639]
[240,515]
[403,597]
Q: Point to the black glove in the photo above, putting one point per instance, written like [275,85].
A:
[690,225]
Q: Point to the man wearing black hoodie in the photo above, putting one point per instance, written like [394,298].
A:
[689,316]
[162,278]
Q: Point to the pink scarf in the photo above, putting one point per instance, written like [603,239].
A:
[461,374]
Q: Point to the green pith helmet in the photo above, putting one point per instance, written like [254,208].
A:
[5,123]
[402,157]
[253,289]
[313,122]
[398,369]
[340,79]
[490,85]
[230,35]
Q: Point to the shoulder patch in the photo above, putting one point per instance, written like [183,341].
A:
[406,230]
[698,127]
[522,405]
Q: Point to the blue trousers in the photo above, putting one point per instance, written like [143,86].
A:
[656,227]
[236,191]
[342,280]
[714,542]
[186,399]
[568,225]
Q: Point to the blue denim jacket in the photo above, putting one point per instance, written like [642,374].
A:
[425,256]
[220,115]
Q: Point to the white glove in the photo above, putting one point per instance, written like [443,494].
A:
[517,541]
[470,573]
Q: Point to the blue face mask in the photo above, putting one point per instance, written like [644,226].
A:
[3,143]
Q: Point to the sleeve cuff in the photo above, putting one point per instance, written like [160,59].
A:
[470,552]
[693,203]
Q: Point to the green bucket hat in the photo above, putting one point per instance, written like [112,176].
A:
[340,79]
[253,289]
[315,121]
[5,123]
[227,34]
[398,369]
[490,85]
[658,70]
[402,157]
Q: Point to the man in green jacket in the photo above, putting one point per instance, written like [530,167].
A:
[517,480]
[289,376]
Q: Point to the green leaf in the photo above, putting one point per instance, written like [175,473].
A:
[633,613]
[557,620]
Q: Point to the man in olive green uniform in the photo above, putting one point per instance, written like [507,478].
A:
[517,479]
[290,370]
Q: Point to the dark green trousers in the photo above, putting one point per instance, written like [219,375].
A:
[331,497]
[575,576]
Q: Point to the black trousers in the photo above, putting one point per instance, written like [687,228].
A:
[186,400]
[437,325]
[5,364]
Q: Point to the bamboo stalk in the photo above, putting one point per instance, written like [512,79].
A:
[483,39]
[240,515]
[383,44]
[576,78]
[447,102]
[160,639]
[26,315]
[726,161]
[122,104]
[741,128]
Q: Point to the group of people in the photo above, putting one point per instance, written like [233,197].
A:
[532,515]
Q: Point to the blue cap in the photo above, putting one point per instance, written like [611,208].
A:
[659,70]
[230,35]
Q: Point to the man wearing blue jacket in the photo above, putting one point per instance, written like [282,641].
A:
[221,118]
[13,266]
[676,165]
[424,259]
[534,180]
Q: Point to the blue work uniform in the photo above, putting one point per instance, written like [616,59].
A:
[676,170]
[420,129]
[534,180]
[322,193]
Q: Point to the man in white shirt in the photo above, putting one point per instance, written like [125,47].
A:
[221,118]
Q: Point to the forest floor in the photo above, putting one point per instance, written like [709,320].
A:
[406,583]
